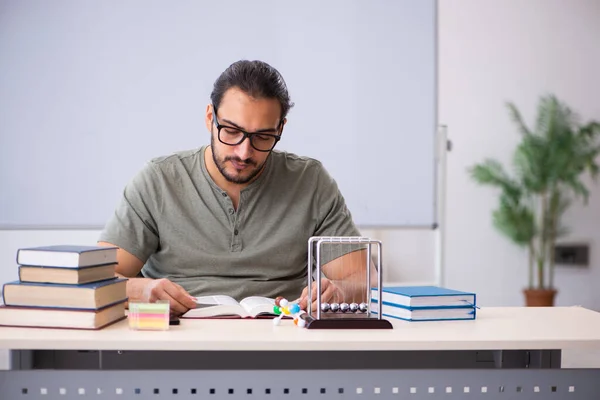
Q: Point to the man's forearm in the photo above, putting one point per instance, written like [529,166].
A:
[349,274]
[355,288]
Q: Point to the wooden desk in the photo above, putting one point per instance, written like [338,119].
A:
[503,350]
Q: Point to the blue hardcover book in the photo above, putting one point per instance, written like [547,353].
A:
[425,313]
[424,296]
[67,256]
[88,296]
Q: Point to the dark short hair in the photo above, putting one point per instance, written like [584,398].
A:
[255,78]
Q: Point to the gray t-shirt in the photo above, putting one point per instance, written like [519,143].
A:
[174,218]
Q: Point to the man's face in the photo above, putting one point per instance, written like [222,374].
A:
[241,163]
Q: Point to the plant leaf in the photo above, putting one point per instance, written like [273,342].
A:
[516,221]
[491,172]
[518,119]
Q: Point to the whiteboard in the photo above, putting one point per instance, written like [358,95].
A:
[90,91]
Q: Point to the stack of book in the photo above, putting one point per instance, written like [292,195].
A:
[65,286]
[424,303]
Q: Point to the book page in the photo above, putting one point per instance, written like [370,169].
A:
[255,305]
[216,300]
[215,306]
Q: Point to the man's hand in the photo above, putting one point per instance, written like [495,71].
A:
[330,293]
[151,290]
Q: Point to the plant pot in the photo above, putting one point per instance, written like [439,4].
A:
[539,297]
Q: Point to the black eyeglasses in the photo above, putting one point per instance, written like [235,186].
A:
[232,136]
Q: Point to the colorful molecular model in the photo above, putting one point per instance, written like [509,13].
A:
[283,307]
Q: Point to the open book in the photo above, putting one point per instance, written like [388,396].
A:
[227,307]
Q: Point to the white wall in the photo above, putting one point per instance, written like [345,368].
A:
[491,52]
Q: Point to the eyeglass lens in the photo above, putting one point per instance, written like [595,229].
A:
[233,136]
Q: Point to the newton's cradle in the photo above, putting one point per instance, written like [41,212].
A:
[345,314]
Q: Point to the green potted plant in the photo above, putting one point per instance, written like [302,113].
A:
[549,165]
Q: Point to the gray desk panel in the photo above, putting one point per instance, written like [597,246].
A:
[491,384]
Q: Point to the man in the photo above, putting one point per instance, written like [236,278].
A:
[234,217]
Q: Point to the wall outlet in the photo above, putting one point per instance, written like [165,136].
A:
[572,255]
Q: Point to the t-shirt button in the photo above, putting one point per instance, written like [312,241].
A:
[231,211]
[224,194]
[235,232]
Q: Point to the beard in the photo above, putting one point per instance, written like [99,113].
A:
[241,177]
